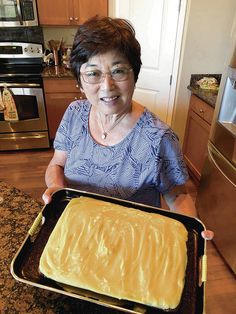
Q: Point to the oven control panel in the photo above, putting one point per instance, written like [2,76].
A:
[20,50]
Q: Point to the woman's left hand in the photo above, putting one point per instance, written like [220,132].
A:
[207,234]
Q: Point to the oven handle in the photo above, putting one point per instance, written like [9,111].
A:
[19,85]
[23,137]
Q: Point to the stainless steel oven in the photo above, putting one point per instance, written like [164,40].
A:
[21,65]
[15,13]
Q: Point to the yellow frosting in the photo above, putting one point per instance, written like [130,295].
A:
[118,251]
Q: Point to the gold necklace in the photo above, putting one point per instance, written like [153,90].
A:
[105,133]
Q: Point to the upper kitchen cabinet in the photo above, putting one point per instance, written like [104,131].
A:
[69,12]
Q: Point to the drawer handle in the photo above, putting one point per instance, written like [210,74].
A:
[71,18]
[201,110]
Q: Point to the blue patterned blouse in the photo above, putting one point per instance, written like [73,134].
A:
[147,162]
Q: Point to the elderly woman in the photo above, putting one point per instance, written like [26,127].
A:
[108,143]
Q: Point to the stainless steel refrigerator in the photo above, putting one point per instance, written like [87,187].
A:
[216,198]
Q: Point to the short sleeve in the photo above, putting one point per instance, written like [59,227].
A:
[61,138]
[172,169]
[71,124]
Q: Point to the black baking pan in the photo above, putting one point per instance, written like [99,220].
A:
[25,265]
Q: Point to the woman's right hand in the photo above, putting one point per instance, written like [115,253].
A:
[54,176]
[47,195]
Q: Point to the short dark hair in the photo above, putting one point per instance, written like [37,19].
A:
[101,34]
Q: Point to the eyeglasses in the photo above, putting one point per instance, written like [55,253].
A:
[96,76]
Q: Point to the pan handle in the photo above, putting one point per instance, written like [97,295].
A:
[203,269]
[39,220]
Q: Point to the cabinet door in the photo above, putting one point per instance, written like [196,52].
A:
[56,104]
[54,12]
[62,85]
[69,12]
[195,144]
[201,108]
[84,9]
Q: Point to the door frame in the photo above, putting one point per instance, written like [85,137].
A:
[180,38]
[177,53]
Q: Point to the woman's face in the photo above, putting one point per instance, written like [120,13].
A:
[108,96]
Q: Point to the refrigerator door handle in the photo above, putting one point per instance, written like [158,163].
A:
[218,160]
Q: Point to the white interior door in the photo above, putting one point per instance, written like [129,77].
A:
[156,24]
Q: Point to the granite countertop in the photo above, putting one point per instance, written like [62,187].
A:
[17,213]
[57,72]
[209,96]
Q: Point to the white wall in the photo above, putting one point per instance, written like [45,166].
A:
[204,49]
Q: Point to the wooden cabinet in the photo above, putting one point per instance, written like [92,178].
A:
[196,135]
[69,12]
[59,93]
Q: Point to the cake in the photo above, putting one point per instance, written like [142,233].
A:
[118,251]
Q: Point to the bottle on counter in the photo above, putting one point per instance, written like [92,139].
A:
[66,57]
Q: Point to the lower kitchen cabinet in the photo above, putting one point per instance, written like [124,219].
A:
[196,136]
[59,93]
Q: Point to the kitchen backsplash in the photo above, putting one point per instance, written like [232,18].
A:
[32,34]
[59,33]
[38,34]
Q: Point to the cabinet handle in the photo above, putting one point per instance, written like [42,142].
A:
[201,110]
[75,98]
[71,18]
[77,85]
[76,18]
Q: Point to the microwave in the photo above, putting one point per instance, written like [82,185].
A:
[15,13]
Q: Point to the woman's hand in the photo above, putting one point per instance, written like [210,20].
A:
[54,176]
[180,201]
[47,195]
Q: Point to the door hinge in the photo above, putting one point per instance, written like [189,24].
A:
[170,79]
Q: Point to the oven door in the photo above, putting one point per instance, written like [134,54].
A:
[30,106]
[14,13]
[31,130]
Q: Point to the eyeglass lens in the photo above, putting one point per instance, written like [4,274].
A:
[96,76]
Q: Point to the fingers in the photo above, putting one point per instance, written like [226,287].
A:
[207,234]
[46,198]
[47,195]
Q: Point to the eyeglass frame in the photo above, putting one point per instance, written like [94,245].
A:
[103,75]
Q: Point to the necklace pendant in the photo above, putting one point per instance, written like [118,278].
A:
[104,135]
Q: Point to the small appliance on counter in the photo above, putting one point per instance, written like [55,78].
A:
[23,122]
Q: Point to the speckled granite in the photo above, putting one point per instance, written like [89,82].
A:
[17,213]
[56,72]
[209,96]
